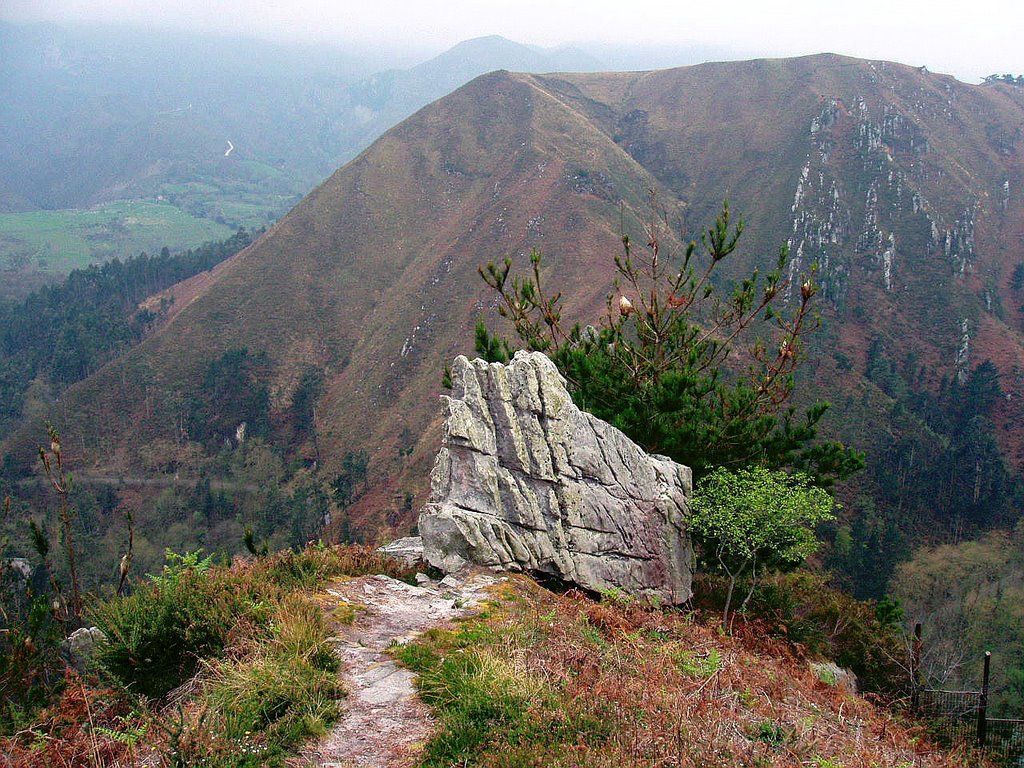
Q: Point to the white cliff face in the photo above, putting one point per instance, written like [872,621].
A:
[527,481]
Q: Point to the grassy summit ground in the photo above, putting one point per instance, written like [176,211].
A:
[561,680]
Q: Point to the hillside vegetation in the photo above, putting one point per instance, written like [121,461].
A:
[201,664]
[968,597]
[230,666]
[894,181]
[62,333]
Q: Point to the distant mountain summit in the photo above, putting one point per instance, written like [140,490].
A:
[485,54]
[94,114]
[906,189]
[384,99]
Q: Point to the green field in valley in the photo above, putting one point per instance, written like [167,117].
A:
[60,241]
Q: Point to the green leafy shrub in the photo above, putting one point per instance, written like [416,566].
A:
[747,520]
[157,635]
[772,734]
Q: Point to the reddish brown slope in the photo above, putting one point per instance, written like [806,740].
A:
[372,279]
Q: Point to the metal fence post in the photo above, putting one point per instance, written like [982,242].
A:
[915,669]
[983,701]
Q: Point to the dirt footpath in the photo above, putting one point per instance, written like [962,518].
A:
[383,723]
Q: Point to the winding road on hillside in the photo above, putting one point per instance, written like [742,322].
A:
[383,722]
[153,481]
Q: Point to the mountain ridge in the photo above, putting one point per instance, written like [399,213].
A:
[889,177]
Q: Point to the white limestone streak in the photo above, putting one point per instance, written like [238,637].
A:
[887,259]
[963,352]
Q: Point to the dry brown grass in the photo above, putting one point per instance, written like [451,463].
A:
[626,686]
[89,725]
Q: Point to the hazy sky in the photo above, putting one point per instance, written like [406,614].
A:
[968,39]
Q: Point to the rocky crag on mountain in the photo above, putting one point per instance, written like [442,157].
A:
[527,481]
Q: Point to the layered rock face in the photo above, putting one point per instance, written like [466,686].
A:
[525,480]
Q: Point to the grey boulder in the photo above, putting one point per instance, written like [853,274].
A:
[527,481]
[408,551]
[80,646]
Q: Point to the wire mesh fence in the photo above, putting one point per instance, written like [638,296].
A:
[961,717]
[956,717]
[1005,739]
[951,715]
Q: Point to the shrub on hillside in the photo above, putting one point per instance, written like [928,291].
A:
[801,607]
[157,635]
[31,670]
[657,366]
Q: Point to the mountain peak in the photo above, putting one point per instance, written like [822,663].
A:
[496,52]
[900,185]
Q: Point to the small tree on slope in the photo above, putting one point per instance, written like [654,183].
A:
[656,367]
[749,519]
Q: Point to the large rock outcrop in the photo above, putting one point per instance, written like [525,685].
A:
[525,480]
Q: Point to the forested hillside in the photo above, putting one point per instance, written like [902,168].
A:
[969,597]
[62,333]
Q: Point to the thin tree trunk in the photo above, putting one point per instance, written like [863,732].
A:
[753,583]
[69,544]
[733,577]
[728,603]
